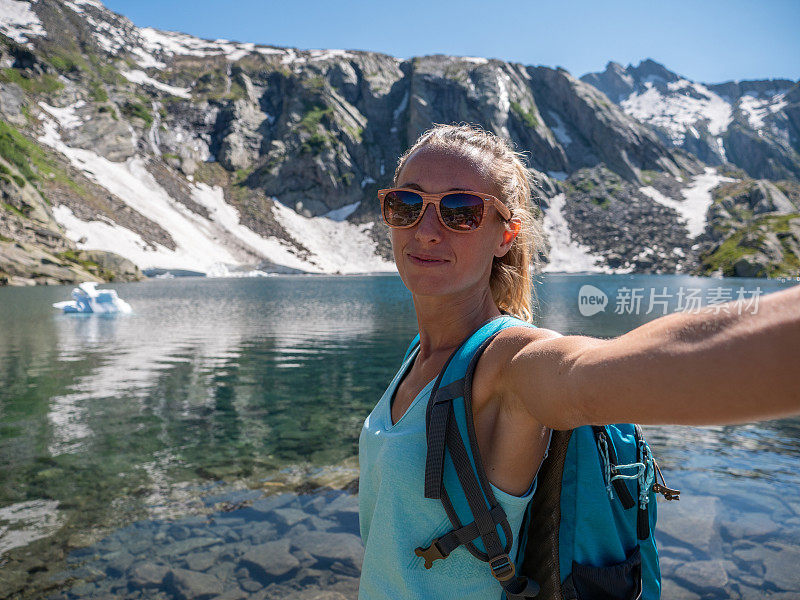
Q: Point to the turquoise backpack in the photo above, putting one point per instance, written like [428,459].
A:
[588,531]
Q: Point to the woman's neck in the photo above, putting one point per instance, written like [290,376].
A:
[445,322]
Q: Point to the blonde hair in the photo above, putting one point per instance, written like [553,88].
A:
[511,279]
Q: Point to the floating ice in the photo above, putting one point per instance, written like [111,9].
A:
[88,299]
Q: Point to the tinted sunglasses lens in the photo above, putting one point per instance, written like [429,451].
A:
[462,212]
[401,208]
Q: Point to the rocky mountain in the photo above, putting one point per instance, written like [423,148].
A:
[754,125]
[127,150]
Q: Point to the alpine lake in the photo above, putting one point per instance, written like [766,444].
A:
[205,445]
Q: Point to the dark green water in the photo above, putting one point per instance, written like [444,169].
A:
[252,383]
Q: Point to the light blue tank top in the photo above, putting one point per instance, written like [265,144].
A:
[395,516]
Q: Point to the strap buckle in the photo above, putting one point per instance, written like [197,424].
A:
[502,567]
[668,493]
[431,553]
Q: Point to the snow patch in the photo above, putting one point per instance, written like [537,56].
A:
[696,199]
[567,255]
[339,246]
[171,43]
[340,214]
[400,109]
[141,78]
[329,54]
[66,117]
[290,56]
[560,130]
[76,4]
[686,104]
[503,100]
[18,21]
[228,218]
[757,109]
[108,236]
[146,60]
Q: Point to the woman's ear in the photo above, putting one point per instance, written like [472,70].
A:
[512,228]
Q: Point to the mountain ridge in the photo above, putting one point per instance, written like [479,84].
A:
[271,156]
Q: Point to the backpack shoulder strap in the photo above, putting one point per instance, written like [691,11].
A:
[442,431]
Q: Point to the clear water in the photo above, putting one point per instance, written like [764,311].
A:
[262,384]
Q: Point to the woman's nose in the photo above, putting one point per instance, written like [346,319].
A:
[429,228]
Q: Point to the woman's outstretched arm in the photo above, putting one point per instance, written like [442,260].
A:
[683,368]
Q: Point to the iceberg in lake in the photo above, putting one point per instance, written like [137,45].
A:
[88,299]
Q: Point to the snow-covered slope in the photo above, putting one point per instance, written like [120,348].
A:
[217,245]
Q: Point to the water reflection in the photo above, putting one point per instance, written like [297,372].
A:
[127,417]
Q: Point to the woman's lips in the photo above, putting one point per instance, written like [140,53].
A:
[425,260]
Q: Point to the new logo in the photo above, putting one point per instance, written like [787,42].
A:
[591,300]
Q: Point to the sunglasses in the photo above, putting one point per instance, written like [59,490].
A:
[459,211]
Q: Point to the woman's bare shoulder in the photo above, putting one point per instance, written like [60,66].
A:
[502,350]
[511,340]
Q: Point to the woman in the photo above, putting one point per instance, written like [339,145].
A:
[465,260]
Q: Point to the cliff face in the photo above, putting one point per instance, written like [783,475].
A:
[219,157]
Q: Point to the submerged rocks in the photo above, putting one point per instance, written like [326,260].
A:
[279,546]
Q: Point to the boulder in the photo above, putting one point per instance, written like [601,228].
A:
[102,133]
[270,560]
[192,585]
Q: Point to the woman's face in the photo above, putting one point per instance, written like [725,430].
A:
[432,260]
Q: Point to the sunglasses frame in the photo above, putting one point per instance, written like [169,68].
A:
[436,200]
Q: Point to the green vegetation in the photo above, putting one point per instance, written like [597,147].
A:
[314,84]
[236,92]
[648,176]
[310,123]
[26,112]
[21,152]
[731,250]
[33,162]
[240,175]
[97,91]
[733,172]
[43,84]
[528,117]
[168,155]
[355,132]
[313,117]
[139,111]
[66,60]
[7,175]
[108,108]
[13,209]
[74,256]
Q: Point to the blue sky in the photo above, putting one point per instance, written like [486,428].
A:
[707,41]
